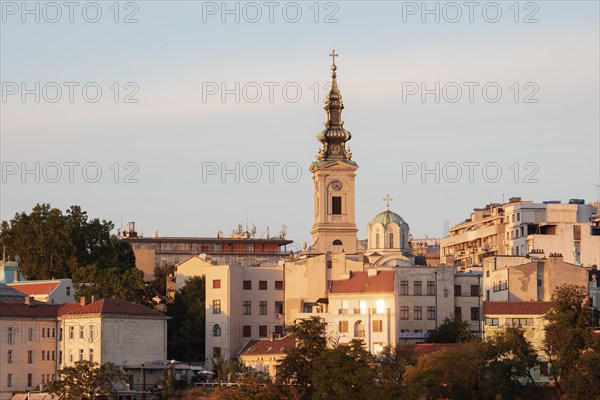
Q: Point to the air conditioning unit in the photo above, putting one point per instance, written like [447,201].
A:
[278,315]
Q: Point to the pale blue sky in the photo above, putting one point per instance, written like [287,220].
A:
[171,54]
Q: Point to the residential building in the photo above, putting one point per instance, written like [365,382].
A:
[241,247]
[529,278]
[57,291]
[528,315]
[521,227]
[111,330]
[29,344]
[265,354]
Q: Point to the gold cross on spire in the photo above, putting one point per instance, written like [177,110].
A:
[333,55]
[387,200]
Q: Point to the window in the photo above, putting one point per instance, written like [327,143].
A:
[278,330]
[474,313]
[458,312]
[91,355]
[328,264]
[247,331]
[70,355]
[217,330]
[29,380]
[430,288]
[30,333]
[404,312]
[44,355]
[216,352]
[216,306]
[377,325]
[519,321]
[53,332]
[343,326]
[474,290]
[336,205]
[391,244]
[30,357]
[247,285]
[71,332]
[278,285]
[337,242]
[60,333]
[10,336]
[279,307]
[81,332]
[80,354]
[431,313]
[53,355]
[9,359]
[307,307]
[247,308]
[377,240]
[9,380]
[418,288]
[44,332]
[68,290]
[60,356]
[262,331]
[539,282]
[262,285]
[403,287]
[576,232]
[457,290]
[216,284]
[492,321]
[418,310]
[543,368]
[359,329]
[262,308]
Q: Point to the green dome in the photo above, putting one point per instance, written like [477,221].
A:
[386,217]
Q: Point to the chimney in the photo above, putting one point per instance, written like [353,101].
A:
[271,337]
[93,298]
[29,300]
[371,272]
[82,301]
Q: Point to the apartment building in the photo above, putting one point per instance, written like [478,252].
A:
[58,291]
[29,345]
[521,227]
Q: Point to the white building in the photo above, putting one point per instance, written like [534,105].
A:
[58,291]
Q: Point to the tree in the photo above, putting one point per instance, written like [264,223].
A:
[53,244]
[567,335]
[186,329]
[451,330]
[159,283]
[511,358]
[91,281]
[344,373]
[391,364]
[87,380]
[297,367]
[454,372]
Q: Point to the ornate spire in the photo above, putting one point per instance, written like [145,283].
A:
[334,136]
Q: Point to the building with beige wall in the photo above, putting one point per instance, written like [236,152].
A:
[528,315]
[520,278]
[111,330]
[29,346]
[521,227]
[265,354]
[56,291]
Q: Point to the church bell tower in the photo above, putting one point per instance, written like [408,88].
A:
[334,227]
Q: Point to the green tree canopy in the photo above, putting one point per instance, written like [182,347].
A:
[451,330]
[88,380]
[186,329]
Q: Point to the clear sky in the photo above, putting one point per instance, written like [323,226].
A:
[212,92]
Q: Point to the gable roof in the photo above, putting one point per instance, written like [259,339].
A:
[267,346]
[32,289]
[517,307]
[360,282]
[36,310]
[110,306]
[10,295]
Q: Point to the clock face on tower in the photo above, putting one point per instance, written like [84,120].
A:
[336,185]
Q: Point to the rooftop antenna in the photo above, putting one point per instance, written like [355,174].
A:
[598,192]
[502,198]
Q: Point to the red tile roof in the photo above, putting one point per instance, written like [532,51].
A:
[109,306]
[26,311]
[360,282]
[516,307]
[266,346]
[32,289]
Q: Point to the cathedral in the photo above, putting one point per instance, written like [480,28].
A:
[334,172]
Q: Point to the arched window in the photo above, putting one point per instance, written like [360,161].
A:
[391,240]
[377,241]
[217,330]
[337,242]
[359,329]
